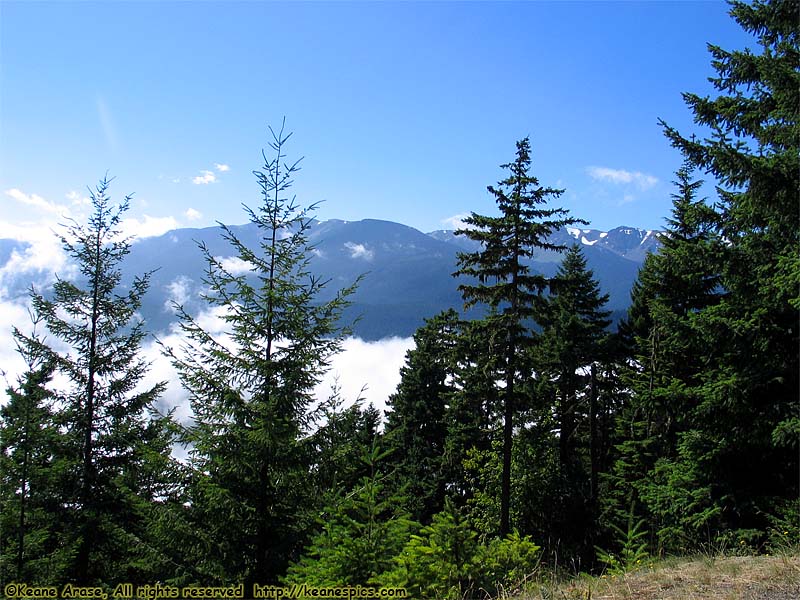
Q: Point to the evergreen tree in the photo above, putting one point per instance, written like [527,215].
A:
[574,331]
[29,436]
[362,532]
[745,438]
[340,441]
[416,426]
[574,341]
[503,280]
[674,287]
[472,409]
[114,445]
[250,389]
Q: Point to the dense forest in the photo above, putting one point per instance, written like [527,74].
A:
[536,434]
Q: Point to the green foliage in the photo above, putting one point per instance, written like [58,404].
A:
[472,409]
[633,548]
[503,280]
[440,561]
[685,513]
[251,388]
[449,560]
[338,444]
[114,448]
[483,469]
[507,563]
[361,534]
[783,535]
[32,532]
[418,417]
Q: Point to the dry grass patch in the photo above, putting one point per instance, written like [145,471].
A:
[723,578]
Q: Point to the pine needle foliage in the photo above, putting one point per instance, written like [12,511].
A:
[500,277]
[29,439]
[747,389]
[251,383]
[114,442]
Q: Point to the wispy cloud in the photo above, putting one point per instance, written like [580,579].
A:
[148,226]
[37,202]
[234,265]
[208,176]
[204,178]
[77,199]
[107,123]
[193,215]
[620,176]
[178,292]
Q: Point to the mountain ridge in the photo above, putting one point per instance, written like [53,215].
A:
[407,273]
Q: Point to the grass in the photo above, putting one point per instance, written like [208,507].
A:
[706,578]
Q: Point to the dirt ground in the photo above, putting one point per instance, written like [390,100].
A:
[724,578]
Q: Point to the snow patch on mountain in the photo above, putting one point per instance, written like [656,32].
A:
[359,251]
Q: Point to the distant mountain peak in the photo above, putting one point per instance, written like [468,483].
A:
[409,273]
[629,242]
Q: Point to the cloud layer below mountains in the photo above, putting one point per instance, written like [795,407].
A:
[366,371]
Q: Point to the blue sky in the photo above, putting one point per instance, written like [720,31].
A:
[403,111]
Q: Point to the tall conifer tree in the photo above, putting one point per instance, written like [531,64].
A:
[112,437]
[748,425]
[250,388]
[502,279]
[670,357]
[416,427]
[574,330]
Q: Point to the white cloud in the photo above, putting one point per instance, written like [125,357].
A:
[222,168]
[178,292]
[12,366]
[234,265]
[37,201]
[204,179]
[161,369]
[359,251]
[371,365]
[193,215]
[42,253]
[621,176]
[77,199]
[626,199]
[148,226]
[12,313]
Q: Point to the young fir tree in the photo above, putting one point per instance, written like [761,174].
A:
[746,439]
[115,446]
[251,386]
[362,531]
[502,279]
[416,426]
